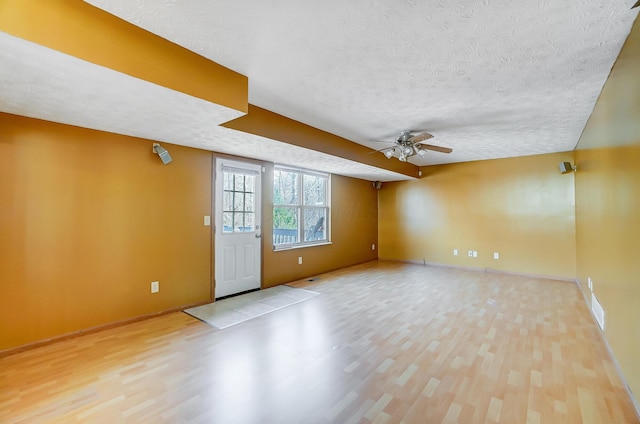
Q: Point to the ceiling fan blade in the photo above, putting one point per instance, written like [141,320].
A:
[420,137]
[436,148]
[381,150]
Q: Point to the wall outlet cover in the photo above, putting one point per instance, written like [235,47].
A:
[155,286]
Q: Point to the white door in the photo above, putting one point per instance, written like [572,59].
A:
[237,227]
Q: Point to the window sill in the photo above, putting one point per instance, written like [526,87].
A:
[299,246]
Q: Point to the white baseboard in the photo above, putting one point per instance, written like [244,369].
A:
[485,270]
[586,297]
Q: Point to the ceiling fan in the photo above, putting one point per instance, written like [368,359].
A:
[407,145]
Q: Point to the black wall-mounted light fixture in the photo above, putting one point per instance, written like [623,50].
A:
[165,157]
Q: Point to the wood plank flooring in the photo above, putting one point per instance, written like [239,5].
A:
[383,342]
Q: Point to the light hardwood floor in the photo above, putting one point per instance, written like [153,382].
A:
[384,342]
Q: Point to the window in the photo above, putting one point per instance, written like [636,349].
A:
[238,214]
[300,207]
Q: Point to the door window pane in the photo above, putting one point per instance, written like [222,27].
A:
[238,182]
[238,202]
[250,183]
[249,221]
[249,202]
[227,222]
[227,201]
[227,181]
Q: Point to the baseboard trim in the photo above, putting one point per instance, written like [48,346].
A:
[485,270]
[33,345]
[636,404]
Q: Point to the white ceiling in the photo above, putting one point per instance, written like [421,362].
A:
[488,78]
[76,92]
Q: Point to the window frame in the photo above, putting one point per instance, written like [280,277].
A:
[300,207]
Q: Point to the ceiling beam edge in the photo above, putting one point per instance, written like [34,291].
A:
[271,125]
[81,30]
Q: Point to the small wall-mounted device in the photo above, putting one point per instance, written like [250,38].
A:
[566,167]
[377,184]
[165,157]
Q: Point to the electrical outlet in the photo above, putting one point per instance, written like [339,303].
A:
[455,252]
[155,286]
[496,255]
[299,260]
[470,253]
[373,247]
[207,220]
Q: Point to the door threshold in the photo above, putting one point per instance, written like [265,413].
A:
[236,294]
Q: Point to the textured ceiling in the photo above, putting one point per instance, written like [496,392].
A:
[488,78]
[76,92]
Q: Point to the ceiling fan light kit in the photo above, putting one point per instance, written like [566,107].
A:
[407,145]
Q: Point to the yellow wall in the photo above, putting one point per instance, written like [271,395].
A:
[521,208]
[354,228]
[608,207]
[88,219]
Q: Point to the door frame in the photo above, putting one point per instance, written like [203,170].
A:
[220,162]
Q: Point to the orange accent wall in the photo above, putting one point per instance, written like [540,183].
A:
[354,228]
[79,29]
[608,208]
[87,220]
[520,207]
